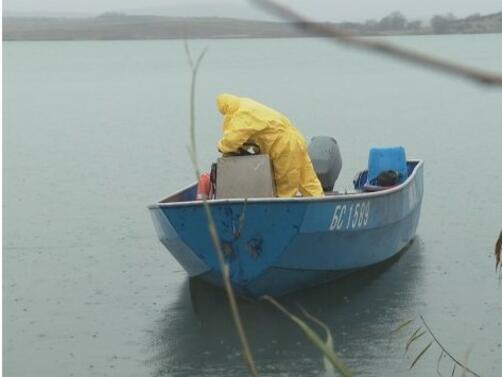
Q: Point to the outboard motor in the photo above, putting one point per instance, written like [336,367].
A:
[327,160]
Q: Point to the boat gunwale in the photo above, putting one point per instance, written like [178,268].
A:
[357,195]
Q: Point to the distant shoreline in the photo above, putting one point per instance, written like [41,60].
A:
[228,38]
[115,27]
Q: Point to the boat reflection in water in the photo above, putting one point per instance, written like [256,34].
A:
[361,309]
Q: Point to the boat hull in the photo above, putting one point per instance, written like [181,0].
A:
[276,246]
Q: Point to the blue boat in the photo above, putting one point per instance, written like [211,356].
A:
[278,245]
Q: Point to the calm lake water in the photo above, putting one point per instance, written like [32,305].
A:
[93,132]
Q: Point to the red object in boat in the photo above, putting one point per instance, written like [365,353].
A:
[204,187]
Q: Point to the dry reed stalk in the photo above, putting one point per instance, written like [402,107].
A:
[247,354]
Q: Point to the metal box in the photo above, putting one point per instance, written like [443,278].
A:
[245,177]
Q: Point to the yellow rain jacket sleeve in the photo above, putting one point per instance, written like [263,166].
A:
[237,130]
[248,120]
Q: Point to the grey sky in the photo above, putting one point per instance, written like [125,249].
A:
[324,10]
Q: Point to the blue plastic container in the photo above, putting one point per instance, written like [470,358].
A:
[382,159]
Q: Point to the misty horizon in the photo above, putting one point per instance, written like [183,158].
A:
[324,10]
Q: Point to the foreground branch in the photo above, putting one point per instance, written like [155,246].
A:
[326,348]
[248,357]
[498,252]
[384,48]
[445,351]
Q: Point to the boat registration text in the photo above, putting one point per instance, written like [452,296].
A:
[350,216]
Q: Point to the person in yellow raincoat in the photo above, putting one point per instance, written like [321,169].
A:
[248,121]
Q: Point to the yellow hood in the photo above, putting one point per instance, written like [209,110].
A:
[227,103]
